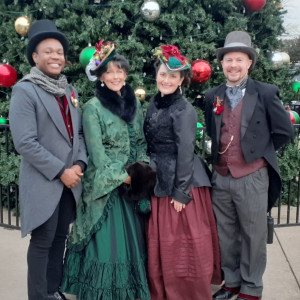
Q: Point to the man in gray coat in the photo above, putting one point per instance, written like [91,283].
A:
[247,124]
[45,123]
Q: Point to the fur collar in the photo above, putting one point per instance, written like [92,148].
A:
[123,106]
[167,100]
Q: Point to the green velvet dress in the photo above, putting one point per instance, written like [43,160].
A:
[106,251]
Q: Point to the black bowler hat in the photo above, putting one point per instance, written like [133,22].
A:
[41,30]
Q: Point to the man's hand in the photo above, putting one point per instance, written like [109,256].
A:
[71,177]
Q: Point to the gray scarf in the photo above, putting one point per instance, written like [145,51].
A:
[56,87]
[235,93]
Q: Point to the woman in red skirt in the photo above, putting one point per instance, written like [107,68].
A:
[183,250]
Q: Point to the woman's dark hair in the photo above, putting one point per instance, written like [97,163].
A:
[118,60]
[186,74]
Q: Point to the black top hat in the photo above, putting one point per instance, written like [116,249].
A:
[238,41]
[41,30]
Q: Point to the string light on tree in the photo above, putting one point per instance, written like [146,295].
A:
[150,10]
[201,71]
[254,5]
[22,25]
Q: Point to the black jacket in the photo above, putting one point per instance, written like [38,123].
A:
[170,131]
[265,127]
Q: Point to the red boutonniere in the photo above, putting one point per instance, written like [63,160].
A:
[218,106]
[73,99]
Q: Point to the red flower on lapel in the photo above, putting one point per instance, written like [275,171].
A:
[218,106]
[73,99]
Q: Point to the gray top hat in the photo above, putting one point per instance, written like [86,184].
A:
[41,30]
[238,41]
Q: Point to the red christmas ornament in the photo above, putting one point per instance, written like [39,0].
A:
[201,71]
[254,5]
[8,75]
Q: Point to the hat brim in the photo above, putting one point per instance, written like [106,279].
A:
[170,70]
[253,55]
[36,39]
[109,56]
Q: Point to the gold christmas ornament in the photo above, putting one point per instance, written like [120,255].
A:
[140,93]
[22,25]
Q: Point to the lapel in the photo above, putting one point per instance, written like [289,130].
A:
[53,109]
[249,103]
[220,92]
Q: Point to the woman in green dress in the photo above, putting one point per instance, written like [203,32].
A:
[106,251]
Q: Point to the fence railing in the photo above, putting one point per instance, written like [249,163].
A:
[285,214]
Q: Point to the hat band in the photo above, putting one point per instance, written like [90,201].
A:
[236,45]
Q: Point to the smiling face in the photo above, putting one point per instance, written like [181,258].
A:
[167,83]
[49,57]
[235,67]
[114,77]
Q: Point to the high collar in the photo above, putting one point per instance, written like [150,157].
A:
[124,105]
[167,100]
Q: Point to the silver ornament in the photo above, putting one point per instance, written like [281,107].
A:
[150,10]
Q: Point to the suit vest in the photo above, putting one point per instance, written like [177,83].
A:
[231,155]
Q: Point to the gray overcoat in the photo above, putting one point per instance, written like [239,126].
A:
[40,137]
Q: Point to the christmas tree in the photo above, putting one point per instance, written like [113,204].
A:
[137,27]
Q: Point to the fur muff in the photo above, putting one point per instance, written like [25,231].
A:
[143,180]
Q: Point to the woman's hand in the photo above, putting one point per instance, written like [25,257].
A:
[177,205]
[128,180]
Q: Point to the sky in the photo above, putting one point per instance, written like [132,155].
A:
[291,19]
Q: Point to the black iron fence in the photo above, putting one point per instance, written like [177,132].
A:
[285,213]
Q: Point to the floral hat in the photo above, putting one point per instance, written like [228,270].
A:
[171,57]
[104,53]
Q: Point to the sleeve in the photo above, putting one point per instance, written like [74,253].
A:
[23,126]
[109,174]
[208,112]
[281,127]
[184,126]
[81,158]
[141,144]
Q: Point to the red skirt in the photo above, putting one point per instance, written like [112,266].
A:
[183,249]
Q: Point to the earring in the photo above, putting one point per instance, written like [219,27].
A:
[102,84]
[180,90]
[124,83]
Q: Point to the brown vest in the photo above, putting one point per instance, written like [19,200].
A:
[233,159]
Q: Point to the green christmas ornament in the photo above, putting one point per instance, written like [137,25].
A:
[296,86]
[3,120]
[199,133]
[85,55]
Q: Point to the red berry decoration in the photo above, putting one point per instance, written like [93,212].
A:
[201,71]
[254,5]
[8,75]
